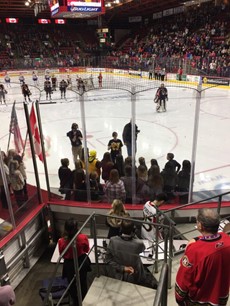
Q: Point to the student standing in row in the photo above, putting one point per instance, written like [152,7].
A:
[115,146]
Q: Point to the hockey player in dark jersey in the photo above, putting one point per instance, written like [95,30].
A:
[80,84]
[25,91]
[3,93]
[54,82]
[161,97]
[48,89]
[62,86]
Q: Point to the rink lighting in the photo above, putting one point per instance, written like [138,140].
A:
[27,3]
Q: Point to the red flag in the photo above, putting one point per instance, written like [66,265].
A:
[35,134]
[14,129]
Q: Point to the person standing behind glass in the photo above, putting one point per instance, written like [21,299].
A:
[127,137]
[75,137]
[66,178]
[115,146]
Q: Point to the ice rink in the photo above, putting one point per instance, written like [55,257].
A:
[108,110]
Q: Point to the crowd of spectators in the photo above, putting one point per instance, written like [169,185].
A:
[110,180]
[15,173]
[37,46]
[196,40]
[191,37]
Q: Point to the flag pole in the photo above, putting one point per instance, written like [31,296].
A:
[8,145]
[24,147]
[33,153]
[43,148]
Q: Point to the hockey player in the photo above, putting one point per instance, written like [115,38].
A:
[47,75]
[62,86]
[7,80]
[149,211]
[69,81]
[100,80]
[91,81]
[80,84]
[3,93]
[161,97]
[77,80]
[35,78]
[21,79]
[25,91]
[54,82]
[48,89]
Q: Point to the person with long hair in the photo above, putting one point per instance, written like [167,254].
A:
[2,188]
[82,245]
[170,179]
[114,187]
[155,182]
[184,176]
[118,209]
[127,180]
[184,181]
[119,165]
[142,162]
[106,166]
[17,182]
[154,167]
[79,182]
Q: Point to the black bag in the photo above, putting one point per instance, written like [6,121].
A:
[59,286]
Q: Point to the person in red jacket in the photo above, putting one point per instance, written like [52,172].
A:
[203,277]
[82,244]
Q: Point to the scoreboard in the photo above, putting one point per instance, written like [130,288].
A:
[103,35]
[76,9]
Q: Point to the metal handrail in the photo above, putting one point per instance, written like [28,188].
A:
[200,201]
[60,257]
[72,243]
[161,296]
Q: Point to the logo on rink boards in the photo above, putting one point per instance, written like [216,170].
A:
[208,80]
